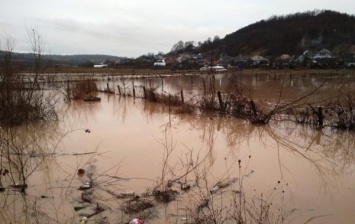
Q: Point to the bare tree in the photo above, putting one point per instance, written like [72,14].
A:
[37,47]
[21,94]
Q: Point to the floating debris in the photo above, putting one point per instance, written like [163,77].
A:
[98,210]
[165,196]
[80,206]
[86,196]
[83,220]
[136,221]
[19,186]
[86,186]
[222,184]
[127,194]
[44,196]
[92,98]
[136,205]
[219,185]
[185,187]
[214,189]
[203,204]
[81,172]
[4,172]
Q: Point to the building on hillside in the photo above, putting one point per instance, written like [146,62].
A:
[170,60]
[324,59]
[284,61]
[349,57]
[258,61]
[183,57]
[160,63]
[324,53]
[305,59]
[240,62]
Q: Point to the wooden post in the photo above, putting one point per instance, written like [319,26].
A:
[68,90]
[253,107]
[119,90]
[162,83]
[108,87]
[220,100]
[182,96]
[134,93]
[144,93]
[320,116]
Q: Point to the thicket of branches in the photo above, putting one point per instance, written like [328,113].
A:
[22,99]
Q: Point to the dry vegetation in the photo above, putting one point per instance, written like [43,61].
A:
[81,89]
[334,112]
[23,101]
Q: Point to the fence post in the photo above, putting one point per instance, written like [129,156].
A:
[68,90]
[253,107]
[220,100]
[320,116]
[162,83]
[182,96]
[134,92]
[119,90]
[144,93]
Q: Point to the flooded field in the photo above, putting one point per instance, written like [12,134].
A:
[125,157]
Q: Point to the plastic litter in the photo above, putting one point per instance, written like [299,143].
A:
[86,186]
[136,221]
[83,220]
[128,194]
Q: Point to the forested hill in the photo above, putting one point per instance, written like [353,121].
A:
[292,34]
[27,59]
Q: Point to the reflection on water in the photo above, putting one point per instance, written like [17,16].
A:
[26,154]
[125,144]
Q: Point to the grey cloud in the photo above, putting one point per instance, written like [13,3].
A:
[135,27]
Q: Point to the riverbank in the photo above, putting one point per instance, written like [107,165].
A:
[147,72]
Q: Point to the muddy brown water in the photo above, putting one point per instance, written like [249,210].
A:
[130,145]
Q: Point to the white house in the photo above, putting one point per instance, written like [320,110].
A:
[160,63]
[101,65]
[324,53]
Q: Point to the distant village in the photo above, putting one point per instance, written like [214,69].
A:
[204,61]
[323,59]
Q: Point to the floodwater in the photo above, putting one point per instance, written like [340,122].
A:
[127,144]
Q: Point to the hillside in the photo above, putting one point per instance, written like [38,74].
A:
[292,34]
[27,59]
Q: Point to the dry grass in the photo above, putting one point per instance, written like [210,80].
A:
[81,89]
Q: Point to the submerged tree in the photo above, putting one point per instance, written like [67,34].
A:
[21,98]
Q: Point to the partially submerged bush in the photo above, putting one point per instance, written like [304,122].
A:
[19,104]
[84,88]
[23,100]
[341,114]
[136,205]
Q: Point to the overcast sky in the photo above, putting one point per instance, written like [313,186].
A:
[135,27]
